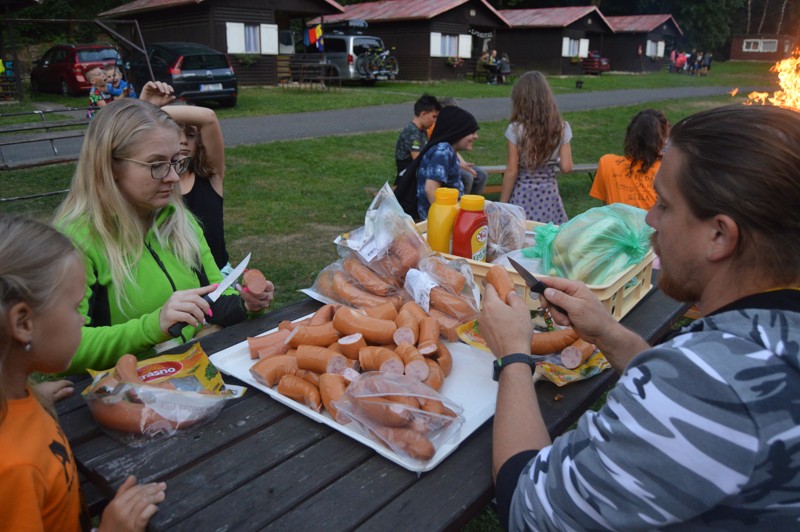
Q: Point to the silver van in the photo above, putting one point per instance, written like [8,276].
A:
[344,51]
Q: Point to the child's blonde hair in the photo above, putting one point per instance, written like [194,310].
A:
[34,261]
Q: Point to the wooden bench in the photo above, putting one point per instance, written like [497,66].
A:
[589,168]
[43,131]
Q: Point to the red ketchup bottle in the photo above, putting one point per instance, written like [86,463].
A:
[471,229]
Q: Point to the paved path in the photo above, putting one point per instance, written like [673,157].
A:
[260,130]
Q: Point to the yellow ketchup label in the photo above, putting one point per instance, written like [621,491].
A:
[479,242]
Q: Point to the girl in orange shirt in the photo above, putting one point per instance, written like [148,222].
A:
[629,178]
[42,283]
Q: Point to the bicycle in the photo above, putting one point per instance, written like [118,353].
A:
[377,63]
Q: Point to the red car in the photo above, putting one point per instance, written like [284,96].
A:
[63,67]
[594,63]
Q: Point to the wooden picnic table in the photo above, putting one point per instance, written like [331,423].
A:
[261,465]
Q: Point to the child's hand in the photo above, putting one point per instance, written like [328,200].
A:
[133,506]
[158,93]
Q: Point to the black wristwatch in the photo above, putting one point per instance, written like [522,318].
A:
[507,360]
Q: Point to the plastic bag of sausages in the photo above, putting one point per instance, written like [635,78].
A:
[335,284]
[137,402]
[388,243]
[444,286]
[406,415]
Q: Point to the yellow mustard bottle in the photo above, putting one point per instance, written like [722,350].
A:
[471,229]
[441,217]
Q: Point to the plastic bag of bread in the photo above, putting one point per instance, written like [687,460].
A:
[409,417]
[506,228]
[141,401]
[388,243]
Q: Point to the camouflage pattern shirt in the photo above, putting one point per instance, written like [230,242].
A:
[701,432]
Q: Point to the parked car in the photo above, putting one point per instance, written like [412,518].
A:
[196,72]
[595,63]
[63,67]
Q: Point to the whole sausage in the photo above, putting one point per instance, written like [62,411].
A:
[386,311]
[270,370]
[444,358]
[331,389]
[301,391]
[382,411]
[428,336]
[323,315]
[414,362]
[499,277]
[320,359]
[373,358]
[544,343]
[375,331]
[453,305]
[268,345]
[126,369]
[448,325]
[345,291]
[406,248]
[415,309]
[447,277]
[350,345]
[407,441]
[366,278]
[575,354]
[320,335]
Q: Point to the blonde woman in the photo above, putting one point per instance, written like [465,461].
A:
[147,263]
[538,143]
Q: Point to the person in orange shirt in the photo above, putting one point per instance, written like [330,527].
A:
[629,178]
[42,284]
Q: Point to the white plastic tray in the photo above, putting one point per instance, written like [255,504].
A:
[469,385]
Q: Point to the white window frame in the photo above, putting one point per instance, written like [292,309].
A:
[574,47]
[660,48]
[436,44]
[450,45]
[760,45]
[465,45]
[267,33]
[655,48]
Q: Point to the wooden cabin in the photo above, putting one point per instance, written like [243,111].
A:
[554,39]
[762,47]
[642,43]
[247,30]
[428,35]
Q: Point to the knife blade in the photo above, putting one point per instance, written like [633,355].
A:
[534,284]
[226,283]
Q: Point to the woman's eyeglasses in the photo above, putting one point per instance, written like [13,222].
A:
[160,169]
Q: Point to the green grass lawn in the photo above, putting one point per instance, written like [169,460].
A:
[259,101]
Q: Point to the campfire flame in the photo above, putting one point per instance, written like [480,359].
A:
[788,71]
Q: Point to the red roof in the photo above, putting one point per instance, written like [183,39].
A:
[391,10]
[141,6]
[641,23]
[549,17]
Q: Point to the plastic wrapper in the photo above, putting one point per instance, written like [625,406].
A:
[335,285]
[595,246]
[409,417]
[549,368]
[432,295]
[506,228]
[389,242]
[172,393]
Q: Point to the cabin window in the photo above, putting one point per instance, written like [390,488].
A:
[655,48]
[574,47]
[446,45]
[760,45]
[251,38]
